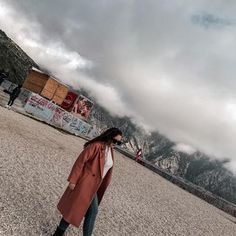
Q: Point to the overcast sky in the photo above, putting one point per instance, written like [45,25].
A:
[169,64]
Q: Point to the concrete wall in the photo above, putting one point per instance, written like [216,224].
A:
[55,115]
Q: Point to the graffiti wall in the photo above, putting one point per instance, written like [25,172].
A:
[24,96]
[40,107]
[55,115]
[93,132]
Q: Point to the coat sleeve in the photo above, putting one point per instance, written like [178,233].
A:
[84,156]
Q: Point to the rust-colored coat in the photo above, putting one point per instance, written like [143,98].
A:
[86,173]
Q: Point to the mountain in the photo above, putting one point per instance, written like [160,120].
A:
[197,168]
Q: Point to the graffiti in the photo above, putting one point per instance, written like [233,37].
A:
[73,122]
[92,132]
[79,126]
[24,96]
[66,120]
[55,115]
[83,127]
[40,107]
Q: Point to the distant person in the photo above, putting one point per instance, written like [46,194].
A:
[3,75]
[139,155]
[90,176]
[13,95]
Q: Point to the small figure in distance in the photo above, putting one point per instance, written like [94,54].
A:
[13,95]
[139,155]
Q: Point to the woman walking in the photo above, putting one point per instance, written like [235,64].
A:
[88,180]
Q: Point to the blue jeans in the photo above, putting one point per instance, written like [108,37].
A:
[89,219]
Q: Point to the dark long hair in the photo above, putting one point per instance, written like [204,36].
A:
[106,136]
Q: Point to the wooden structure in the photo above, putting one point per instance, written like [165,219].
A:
[45,85]
[35,80]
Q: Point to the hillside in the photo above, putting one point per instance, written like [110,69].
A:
[198,168]
[13,59]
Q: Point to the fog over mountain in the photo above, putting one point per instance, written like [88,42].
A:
[168,65]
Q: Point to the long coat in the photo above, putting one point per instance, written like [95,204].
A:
[86,173]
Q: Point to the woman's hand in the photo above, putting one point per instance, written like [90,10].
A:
[71,186]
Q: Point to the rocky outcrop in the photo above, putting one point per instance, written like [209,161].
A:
[14,60]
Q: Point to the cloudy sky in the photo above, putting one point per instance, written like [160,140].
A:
[168,64]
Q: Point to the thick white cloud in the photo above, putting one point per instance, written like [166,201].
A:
[181,147]
[170,64]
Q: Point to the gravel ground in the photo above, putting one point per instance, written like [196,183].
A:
[35,160]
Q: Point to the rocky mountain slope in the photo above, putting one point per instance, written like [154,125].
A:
[13,59]
[198,168]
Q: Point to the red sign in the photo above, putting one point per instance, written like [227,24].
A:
[69,101]
[82,107]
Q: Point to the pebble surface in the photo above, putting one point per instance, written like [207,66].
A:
[35,160]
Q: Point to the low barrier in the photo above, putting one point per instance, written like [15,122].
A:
[196,190]
[55,115]
[42,109]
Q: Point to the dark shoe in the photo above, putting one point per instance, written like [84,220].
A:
[58,232]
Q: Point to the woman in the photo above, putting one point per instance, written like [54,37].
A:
[13,95]
[88,180]
[139,154]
